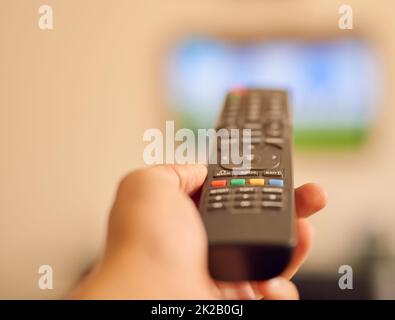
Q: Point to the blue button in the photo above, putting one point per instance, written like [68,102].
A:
[276,182]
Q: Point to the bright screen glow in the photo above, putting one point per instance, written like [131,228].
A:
[333,85]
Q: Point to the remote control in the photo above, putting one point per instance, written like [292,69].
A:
[249,213]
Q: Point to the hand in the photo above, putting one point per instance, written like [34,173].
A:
[157,247]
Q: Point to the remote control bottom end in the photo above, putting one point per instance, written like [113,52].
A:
[247,262]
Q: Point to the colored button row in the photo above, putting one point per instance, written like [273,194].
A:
[252,182]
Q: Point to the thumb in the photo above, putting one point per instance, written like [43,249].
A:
[277,289]
[188,178]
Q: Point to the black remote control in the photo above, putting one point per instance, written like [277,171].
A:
[249,213]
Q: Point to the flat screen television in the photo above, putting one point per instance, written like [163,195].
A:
[334,85]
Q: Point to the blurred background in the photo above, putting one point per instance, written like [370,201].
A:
[76,100]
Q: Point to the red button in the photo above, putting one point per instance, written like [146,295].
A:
[218,183]
[238,90]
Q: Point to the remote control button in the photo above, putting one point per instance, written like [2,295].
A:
[245,196]
[253,126]
[276,182]
[271,190]
[274,140]
[218,198]
[253,159]
[250,157]
[273,133]
[243,204]
[237,182]
[255,99]
[245,190]
[256,133]
[219,191]
[218,183]
[267,157]
[223,173]
[275,108]
[241,173]
[275,116]
[233,103]
[257,182]
[276,99]
[232,112]
[254,108]
[272,173]
[276,102]
[230,116]
[253,116]
[274,157]
[235,99]
[238,91]
[254,140]
[215,205]
[274,125]
[227,141]
[271,197]
[229,127]
[233,106]
[272,204]
[230,121]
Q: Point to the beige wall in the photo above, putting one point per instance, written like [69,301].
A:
[75,101]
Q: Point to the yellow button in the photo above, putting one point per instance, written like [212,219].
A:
[257,182]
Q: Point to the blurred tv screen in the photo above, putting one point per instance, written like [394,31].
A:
[334,85]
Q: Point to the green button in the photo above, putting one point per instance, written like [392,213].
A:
[234,97]
[237,182]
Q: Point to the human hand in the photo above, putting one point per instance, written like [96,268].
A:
[157,247]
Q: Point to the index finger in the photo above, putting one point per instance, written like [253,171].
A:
[309,199]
